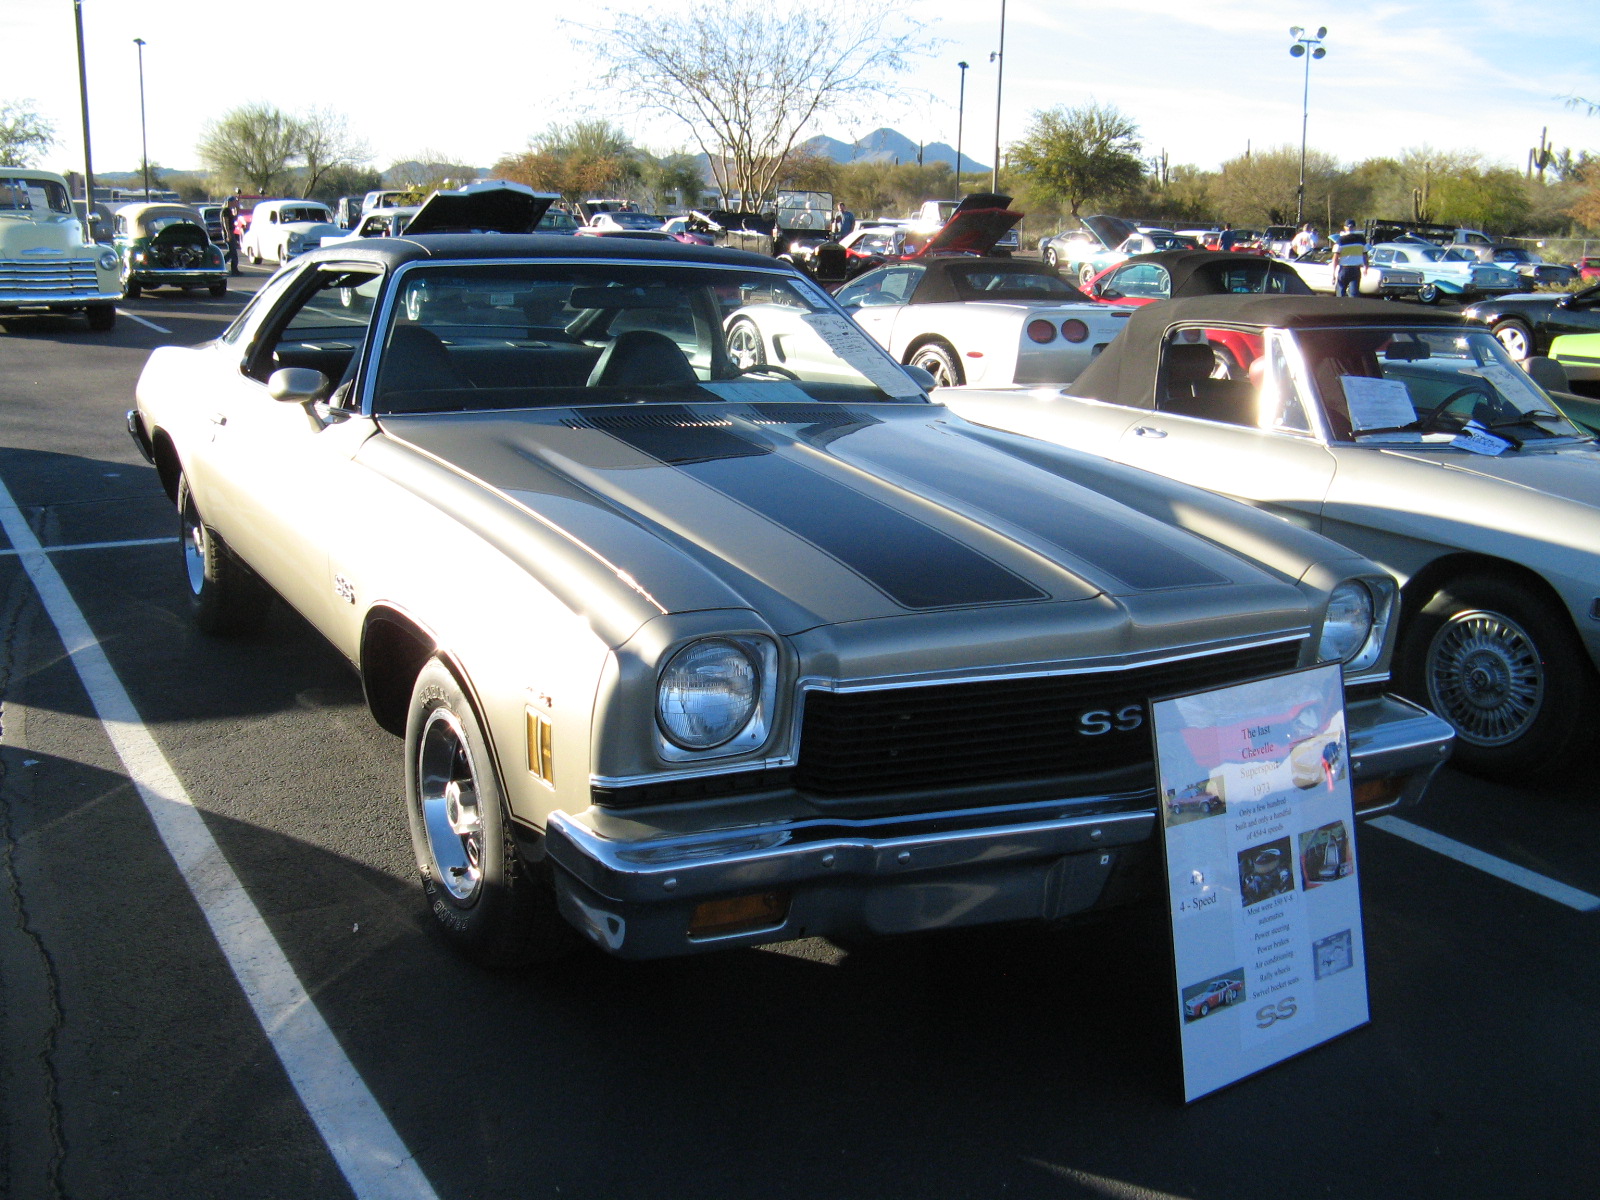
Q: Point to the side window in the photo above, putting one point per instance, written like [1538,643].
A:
[248,321]
[1144,281]
[321,323]
[1211,375]
[1279,396]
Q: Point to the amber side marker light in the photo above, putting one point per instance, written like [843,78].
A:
[1375,793]
[736,914]
[540,747]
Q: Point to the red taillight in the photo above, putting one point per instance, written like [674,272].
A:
[1043,331]
[1074,330]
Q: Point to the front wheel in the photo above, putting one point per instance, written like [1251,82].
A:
[1050,259]
[939,360]
[1429,293]
[224,598]
[490,904]
[1086,273]
[219,288]
[745,346]
[1516,337]
[101,317]
[1503,666]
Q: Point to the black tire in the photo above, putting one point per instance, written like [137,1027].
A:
[1086,272]
[219,289]
[490,904]
[1502,664]
[940,360]
[255,257]
[1430,293]
[1205,1007]
[1050,259]
[132,291]
[745,346]
[102,317]
[1515,336]
[224,597]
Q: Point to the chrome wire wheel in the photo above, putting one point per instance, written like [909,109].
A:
[452,815]
[1485,676]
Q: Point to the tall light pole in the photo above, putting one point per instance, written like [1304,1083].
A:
[83,96]
[999,59]
[144,141]
[1308,47]
[961,111]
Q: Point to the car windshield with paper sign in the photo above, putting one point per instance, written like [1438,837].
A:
[1411,436]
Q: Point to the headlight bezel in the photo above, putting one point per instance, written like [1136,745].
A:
[108,260]
[752,731]
[1364,651]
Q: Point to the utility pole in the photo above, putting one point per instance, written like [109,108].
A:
[999,59]
[83,96]
[961,112]
[144,140]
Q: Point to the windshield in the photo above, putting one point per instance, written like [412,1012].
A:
[305,213]
[991,282]
[630,220]
[154,225]
[1425,386]
[527,335]
[1428,253]
[37,196]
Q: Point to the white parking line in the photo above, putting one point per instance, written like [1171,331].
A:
[142,321]
[166,541]
[369,1152]
[1550,889]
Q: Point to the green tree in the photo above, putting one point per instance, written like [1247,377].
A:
[1074,155]
[584,160]
[428,171]
[325,145]
[674,175]
[1494,200]
[747,82]
[253,146]
[1260,188]
[23,133]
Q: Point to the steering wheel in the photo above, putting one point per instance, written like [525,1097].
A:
[768,369]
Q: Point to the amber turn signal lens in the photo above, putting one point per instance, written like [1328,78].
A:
[1375,793]
[764,910]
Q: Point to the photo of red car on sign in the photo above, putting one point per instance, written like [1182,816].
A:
[1202,999]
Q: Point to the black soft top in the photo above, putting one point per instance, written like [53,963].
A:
[1125,372]
[1194,270]
[470,246]
[938,283]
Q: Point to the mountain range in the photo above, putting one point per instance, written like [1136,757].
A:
[890,145]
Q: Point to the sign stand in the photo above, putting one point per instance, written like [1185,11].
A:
[1258,843]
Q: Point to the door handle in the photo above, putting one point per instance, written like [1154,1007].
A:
[218,418]
[1149,431]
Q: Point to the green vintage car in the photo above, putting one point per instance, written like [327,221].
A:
[165,245]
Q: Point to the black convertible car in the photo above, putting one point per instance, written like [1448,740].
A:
[1146,278]
[1525,323]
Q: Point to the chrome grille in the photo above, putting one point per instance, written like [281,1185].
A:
[991,731]
[48,278]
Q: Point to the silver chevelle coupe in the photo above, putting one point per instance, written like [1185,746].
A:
[687,655]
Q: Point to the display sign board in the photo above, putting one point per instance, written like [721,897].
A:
[1259,844]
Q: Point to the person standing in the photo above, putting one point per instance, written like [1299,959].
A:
[230,231]
[844,221]
[1305,241]
[1227,238]
[1349,257]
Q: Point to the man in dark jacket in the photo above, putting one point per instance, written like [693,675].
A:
[1349,257]
[230,231]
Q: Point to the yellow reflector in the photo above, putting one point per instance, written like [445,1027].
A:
[763,910]
[540,749]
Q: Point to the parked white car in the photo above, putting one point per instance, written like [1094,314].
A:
[1386,280]
[281,229]
[385,222]
[1445,276]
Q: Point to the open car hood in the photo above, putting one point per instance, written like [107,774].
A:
[182,234]
[1112,231]
[493,206]
[980,220]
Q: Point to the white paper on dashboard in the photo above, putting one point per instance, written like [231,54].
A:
[1478,440]
[1513,385]
[1377,403]
[755,391]
[844,338]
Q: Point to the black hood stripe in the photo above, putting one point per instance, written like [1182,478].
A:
[916,566]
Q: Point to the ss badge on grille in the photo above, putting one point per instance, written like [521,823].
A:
[1103,720]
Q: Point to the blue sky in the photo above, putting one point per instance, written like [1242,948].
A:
[1203,78]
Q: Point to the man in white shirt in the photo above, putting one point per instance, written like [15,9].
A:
[1349,257]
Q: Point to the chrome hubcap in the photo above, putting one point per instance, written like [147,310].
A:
[1485,676]
[935,365]
[451,812]
[194,549]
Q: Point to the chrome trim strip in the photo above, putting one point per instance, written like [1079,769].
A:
[34,299]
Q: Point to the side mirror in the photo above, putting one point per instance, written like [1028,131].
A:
[297,385]
[1565,301]
[1106,293]
[921,376]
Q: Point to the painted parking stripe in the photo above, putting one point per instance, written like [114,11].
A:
[369,1152]
[142,321]
[161,541]
[1542,885]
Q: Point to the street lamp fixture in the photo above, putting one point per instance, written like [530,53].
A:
[144,141]
[961,110]
[1307,46]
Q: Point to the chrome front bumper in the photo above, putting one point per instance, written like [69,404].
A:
[909,873]
[65,299]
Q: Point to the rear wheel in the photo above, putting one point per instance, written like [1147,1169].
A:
[224,598]
[1429,293]
[490,904]
[939,360]
[1050,257]
[220,288]
[745,347]
[1503,666]
[1085,273]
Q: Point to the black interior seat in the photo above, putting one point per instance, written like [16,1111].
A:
[641,358]
[416,360]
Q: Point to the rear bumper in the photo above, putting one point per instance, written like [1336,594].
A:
[178,277]
[910,873]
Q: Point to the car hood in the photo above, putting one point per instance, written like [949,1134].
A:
[180,235]
[817,515]
[971,231]
[1571,472]
[493,206]
[1112,231]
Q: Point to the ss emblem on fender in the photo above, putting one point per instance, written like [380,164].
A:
[1103,720]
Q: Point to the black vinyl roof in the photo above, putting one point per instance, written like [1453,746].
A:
[1193,271]
[467,246]
[1124,373]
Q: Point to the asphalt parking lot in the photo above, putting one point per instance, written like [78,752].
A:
[1018,1063]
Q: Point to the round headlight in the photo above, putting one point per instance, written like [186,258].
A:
[707,694]
[1348,623]
[108,260]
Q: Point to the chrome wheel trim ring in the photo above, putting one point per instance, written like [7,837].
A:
[194,549]
[1484,676]
[452,815]
[744,343]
